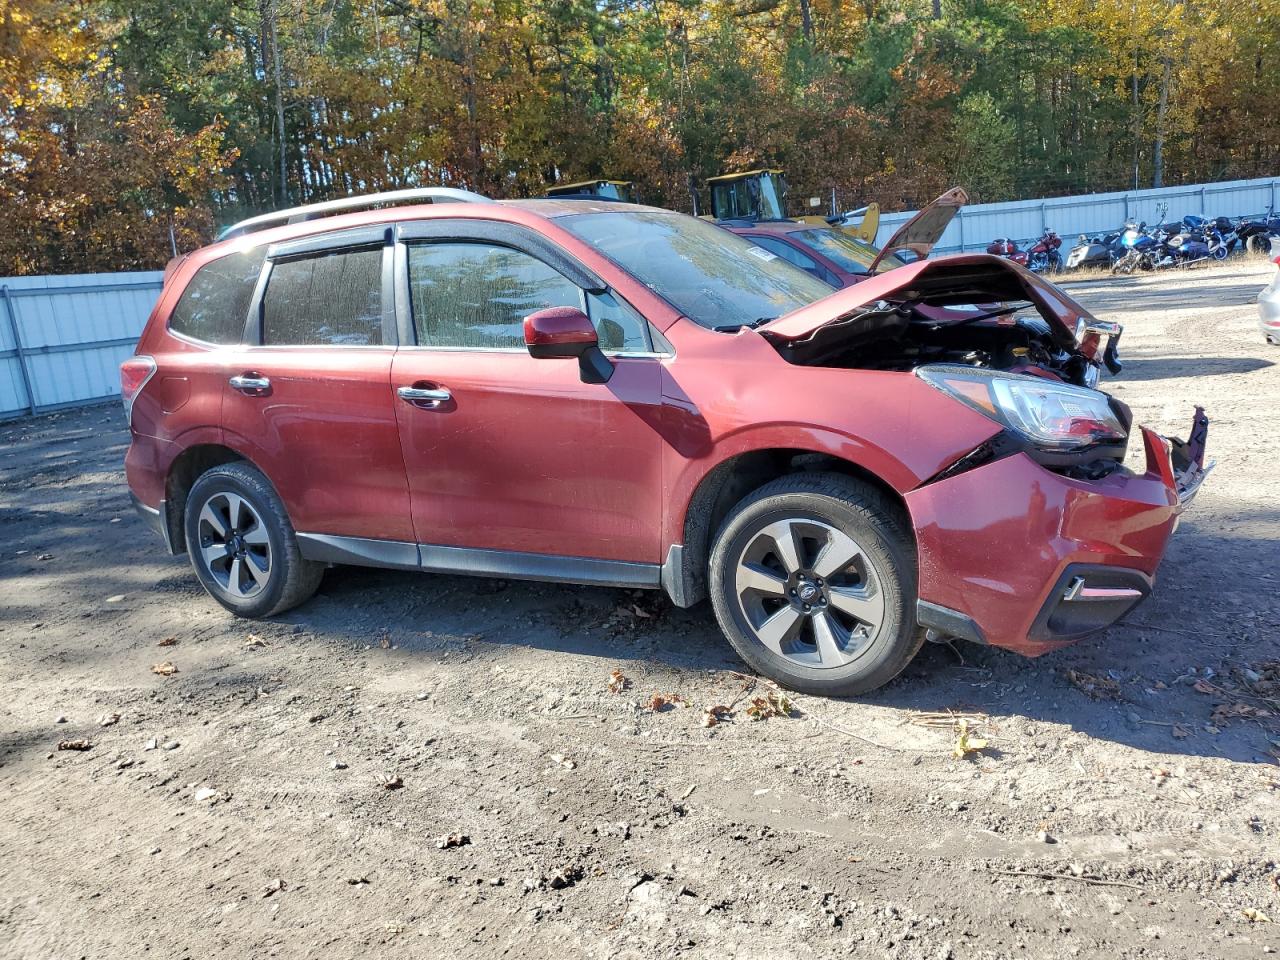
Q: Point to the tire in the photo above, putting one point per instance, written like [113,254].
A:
[758,585]
[257,546]
[1258,244]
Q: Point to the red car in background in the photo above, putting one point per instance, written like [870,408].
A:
[612,394]
[840,259]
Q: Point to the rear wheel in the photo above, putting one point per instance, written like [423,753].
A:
[813,582]
[242,545]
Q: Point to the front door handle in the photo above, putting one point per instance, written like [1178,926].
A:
[424,396]
[250,383]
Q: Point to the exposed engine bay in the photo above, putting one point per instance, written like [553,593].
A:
[905,336]
[973,310]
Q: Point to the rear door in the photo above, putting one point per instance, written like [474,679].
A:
[518,461]
[308,395]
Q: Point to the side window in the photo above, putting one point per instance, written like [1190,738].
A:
[332,299]
[618,326]
[215,304]
[787,252]
[477,295]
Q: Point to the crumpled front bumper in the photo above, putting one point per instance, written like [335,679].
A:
[1018,556]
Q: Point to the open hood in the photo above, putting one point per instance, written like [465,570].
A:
[956,280]
[925,229]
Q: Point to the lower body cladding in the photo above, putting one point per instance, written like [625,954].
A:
[1017,556]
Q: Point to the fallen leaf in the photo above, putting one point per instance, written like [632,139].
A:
[1099,688]
[253,640]
[168,642]
[109,720]
[713,715]
[617,682]
[660,702]
[1180,732]
[75,745]
[453,840]
[966,743]
[165,669]
[275,886]
[1204,686]
[391,781]
[774,705]
[1256,915]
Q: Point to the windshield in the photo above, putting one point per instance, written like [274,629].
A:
[710,275]
[616,191]
[845,251]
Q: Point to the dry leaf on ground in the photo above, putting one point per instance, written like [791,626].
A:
[1099,688]
[390,781]
[618,681]
[774,705]
[660,701]
[168,642]
[966,743]
[717,714]
[75,745]
[165,669]
[453,840]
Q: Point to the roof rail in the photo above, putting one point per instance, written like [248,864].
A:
[314,211]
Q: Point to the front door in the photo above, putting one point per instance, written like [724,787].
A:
[308,398]
[506,453]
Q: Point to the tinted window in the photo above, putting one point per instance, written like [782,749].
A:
[215,304]
[333,299]
[712,276]
[477,295]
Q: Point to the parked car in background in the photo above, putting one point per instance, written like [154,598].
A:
[605,393]
[840,259]
[1269,300]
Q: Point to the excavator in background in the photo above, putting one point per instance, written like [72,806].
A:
[760,196]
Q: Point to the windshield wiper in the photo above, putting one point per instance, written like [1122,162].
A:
[735,327]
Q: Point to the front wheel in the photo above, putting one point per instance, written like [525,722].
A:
[813,582]
[242,545]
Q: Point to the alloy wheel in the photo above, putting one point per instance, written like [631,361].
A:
[809,592]
[234,546]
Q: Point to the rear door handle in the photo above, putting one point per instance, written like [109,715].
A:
[424,396]
[247,382]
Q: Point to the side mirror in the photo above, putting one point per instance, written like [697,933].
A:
[561,332]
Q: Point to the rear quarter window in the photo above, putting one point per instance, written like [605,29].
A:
[214,306]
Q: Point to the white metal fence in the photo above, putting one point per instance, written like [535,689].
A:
[62,338]
[977,225]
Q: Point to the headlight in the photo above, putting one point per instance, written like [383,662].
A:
[1055,417]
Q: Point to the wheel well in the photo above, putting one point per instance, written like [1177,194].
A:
[183,473]
[729,482]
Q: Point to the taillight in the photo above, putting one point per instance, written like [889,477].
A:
[134,374]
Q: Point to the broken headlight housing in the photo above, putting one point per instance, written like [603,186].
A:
[1056,422]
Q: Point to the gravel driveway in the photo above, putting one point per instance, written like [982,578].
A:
[416,765]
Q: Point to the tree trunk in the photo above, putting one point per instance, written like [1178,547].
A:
[271,46]
[806,21]
[937,9]
[1157,152]
[1137,123]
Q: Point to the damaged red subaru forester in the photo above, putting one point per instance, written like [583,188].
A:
[611,394]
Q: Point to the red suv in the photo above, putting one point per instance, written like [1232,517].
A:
[612,394]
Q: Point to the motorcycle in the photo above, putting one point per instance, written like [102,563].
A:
[1198,245]
[1255,233]
[1004,247]
[1043,257]
[1096,251]
[1140,249]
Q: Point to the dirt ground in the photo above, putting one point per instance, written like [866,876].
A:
[430,766]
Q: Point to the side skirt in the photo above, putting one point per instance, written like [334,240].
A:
[399,555]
